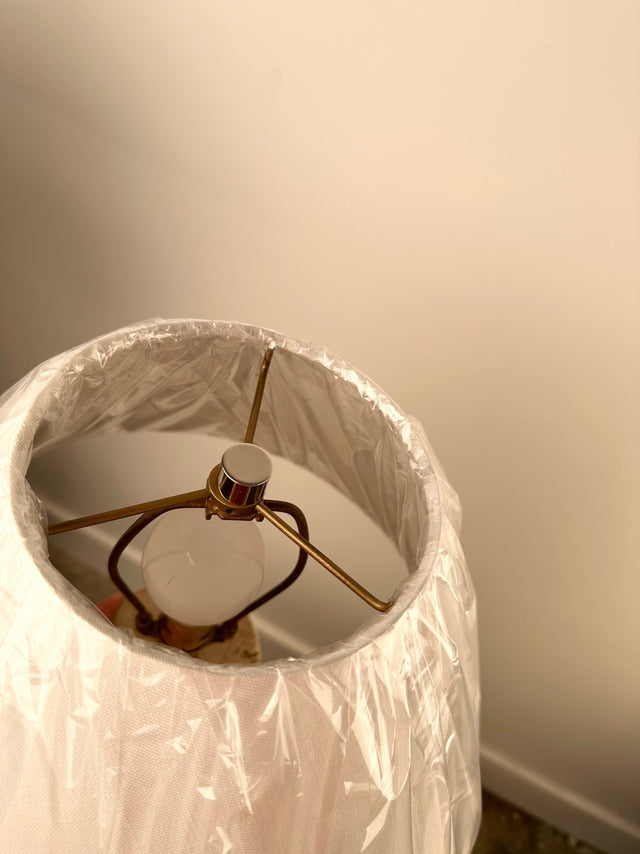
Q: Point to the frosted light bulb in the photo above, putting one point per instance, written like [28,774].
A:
[203,571]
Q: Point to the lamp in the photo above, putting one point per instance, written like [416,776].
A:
[114,744]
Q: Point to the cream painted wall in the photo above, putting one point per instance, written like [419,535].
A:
[447,195]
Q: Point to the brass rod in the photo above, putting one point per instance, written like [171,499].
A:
[257,397]
[123,512]
[322,559]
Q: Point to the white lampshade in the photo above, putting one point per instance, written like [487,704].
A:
[113,744]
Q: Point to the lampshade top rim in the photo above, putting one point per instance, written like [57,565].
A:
[33,402]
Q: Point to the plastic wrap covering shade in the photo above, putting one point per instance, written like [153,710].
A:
[111,744]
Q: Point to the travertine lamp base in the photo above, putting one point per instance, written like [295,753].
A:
[242,648]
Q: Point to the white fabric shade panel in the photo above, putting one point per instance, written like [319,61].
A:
[112,744]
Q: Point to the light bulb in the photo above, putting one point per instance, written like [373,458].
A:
[200,571]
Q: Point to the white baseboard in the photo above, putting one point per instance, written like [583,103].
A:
[541,797]
[557,806]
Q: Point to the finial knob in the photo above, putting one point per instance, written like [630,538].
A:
[243,475]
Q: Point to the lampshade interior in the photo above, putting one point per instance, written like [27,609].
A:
[317,412]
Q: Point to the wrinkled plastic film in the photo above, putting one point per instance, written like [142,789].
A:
[114,744]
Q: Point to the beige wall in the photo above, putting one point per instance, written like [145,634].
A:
[445,194]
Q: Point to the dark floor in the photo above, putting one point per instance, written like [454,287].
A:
[508,830]
[504,830]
